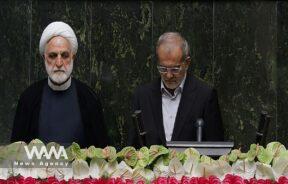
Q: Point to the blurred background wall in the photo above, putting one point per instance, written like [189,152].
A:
[240,48]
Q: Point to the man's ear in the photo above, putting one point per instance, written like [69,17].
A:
[74,57]
[188,60]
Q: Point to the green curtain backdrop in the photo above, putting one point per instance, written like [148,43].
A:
[240,48]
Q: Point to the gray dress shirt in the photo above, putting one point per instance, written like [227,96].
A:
[170,104]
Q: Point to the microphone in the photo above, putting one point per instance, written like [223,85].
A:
[263,126]
[137,120]
[199,125]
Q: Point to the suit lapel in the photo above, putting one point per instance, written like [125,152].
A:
[156,101]
[185,105]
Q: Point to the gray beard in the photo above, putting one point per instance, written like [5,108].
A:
[59,87]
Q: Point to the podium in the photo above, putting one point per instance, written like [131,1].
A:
[205,148]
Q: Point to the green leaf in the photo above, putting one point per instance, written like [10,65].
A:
[109,153]
[252,153]
[234,155]
[143,157]
[224,158]
[242,156]
[74,152]
[265,156]
[155,151]
[55,145]
[191,152]
[93,152]
[129,154]
[36,141]
[168,157]
[275,148]
[206,159]
[14,151]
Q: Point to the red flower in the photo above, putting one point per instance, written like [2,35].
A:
[194,180]
[203,180]
[229,178]
[172,180]
[119,181]
[238,180]
[15,180]
[262,181]
[214,180]
[185,180]
[110,181]
[53,180]
[252,181]
[129,181]
[2,181]
[160,180]
[281,180]
[30,180]
[140,182]
[88,181]
[101,181]
[72,181]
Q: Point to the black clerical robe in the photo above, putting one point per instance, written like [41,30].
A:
[26,122]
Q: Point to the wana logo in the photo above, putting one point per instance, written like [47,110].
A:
[43,152]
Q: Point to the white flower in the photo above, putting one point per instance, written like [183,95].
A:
[264,171]
[80,169]
[244,168]
[176,169]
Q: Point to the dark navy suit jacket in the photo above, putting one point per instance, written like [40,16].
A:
[198,100]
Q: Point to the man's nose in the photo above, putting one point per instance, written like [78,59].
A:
[59,61]
[169,74]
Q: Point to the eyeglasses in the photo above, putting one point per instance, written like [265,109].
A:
[173,70]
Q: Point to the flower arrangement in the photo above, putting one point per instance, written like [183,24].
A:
[156,164]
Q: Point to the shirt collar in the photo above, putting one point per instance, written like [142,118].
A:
[177,91]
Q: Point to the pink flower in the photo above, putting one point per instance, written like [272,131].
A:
[281,180]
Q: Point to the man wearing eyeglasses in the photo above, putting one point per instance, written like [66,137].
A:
[171,104]
[59,108]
